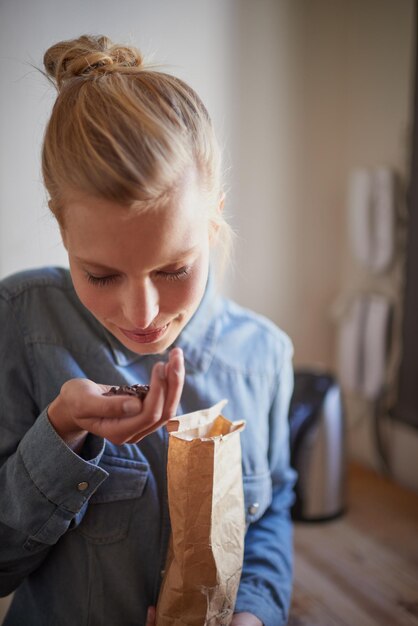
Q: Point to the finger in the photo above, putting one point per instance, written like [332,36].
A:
[174,371]
[132,425]
[150,616]
[117,427]
[94,404]
[175,382]
[153,405]
[154,401]
[84,399]
[132,428]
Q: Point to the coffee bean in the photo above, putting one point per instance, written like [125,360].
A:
[139,391]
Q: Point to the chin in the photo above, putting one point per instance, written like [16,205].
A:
[151,348]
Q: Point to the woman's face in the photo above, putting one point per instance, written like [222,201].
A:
[142,276]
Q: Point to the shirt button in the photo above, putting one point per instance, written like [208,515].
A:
[253,508]
[82,486]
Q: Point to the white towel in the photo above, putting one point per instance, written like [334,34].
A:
[371,217]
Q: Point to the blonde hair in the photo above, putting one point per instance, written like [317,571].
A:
[122,131]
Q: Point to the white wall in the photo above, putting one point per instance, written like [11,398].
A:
[324,86]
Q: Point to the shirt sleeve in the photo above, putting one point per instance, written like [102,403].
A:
[44,485]
[266,582]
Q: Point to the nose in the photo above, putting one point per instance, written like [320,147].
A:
[141,303]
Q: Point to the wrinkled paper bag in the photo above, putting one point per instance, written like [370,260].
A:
[206,503]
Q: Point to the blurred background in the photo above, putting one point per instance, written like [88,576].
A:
[301,93]
[313,102]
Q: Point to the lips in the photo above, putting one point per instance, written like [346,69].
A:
[145,336]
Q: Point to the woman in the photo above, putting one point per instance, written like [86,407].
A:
[132,168]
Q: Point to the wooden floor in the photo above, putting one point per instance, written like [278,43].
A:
[362,569]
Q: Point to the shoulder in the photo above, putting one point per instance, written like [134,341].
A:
[250,341]
[35,281]
[44,305]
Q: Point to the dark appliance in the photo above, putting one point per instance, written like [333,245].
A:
[318,446]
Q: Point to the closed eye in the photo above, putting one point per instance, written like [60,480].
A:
[179,274]
[101,281]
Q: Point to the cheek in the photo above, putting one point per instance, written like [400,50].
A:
[96,300]
[195,287]
[186,295]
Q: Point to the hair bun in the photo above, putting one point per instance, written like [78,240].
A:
[89,55]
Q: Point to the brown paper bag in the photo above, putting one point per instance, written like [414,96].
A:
[206,502]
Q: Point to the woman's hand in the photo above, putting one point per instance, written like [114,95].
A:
[245,619]
[151,614]
[81,408]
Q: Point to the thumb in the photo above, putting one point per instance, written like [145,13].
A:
[150,616]
[114,407]
[95,403]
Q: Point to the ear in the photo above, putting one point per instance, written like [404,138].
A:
[214,224]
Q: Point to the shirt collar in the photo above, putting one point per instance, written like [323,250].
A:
[197,339]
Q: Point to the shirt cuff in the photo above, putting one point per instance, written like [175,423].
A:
[48,485]
[61,475]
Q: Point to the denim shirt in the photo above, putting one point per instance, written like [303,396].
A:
[83,537]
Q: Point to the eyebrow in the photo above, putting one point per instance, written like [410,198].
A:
[107,268]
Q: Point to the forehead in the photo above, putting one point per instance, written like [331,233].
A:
[105,232]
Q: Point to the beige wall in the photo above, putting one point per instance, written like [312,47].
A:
[379,108]
[290,172]
[325,86]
